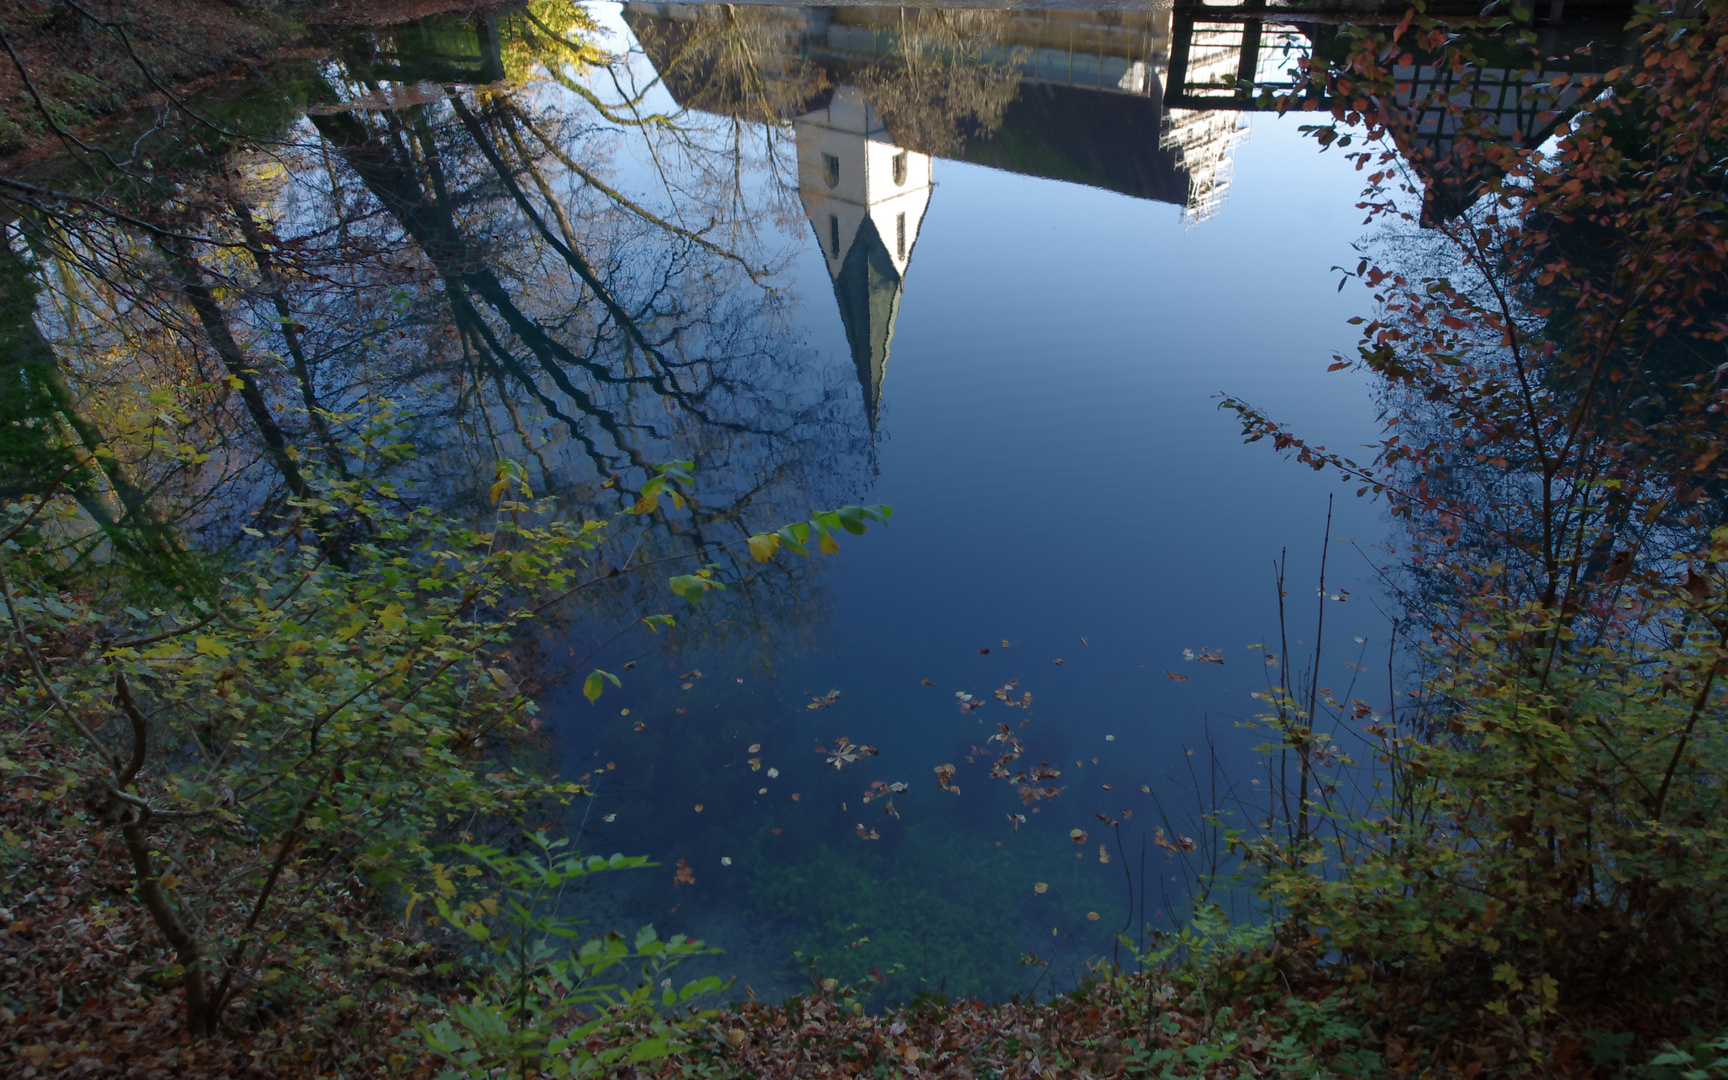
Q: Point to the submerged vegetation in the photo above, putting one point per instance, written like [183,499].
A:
[276,797]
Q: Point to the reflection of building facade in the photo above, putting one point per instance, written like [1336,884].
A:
[865,198]
[1148,103]
[874,94]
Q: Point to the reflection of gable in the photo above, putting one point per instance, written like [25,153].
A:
[868,288]
[865,198]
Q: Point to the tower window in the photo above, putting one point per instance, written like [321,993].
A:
[834,235]
[900,235]
[900,168]
[830,170]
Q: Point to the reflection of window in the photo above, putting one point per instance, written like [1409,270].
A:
[834,235]
[830,170]
[900,231]
[900,168]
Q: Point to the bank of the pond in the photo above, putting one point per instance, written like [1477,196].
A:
[73,65]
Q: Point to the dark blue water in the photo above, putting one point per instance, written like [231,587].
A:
[1065,488]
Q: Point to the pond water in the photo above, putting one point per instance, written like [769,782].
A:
[1038,400]
[994,269]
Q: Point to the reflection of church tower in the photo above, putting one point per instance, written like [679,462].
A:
[866,198]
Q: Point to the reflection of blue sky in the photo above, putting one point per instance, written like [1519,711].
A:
[1058,465]
[1051,443]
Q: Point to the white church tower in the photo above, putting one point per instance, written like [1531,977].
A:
[865,198]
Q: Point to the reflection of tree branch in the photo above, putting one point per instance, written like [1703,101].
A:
[618,197]
[290,335]
[189,278]
[572,257]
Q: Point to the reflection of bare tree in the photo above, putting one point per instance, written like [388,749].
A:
[477,259]
[946,80]
[734,60]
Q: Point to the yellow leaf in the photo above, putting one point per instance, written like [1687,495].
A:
[763,546]
[828,546]
[209,646]
[170,881]
[498,490]
[647,504]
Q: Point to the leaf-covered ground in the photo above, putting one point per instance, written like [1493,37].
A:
[85,992]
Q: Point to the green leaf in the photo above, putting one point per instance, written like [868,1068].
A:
[693,587]
[593,685]
[795,537]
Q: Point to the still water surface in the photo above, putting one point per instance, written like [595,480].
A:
[1041,410]
[992,268]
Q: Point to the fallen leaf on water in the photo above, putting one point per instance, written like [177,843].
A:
[929,682]
[1109,738]
[639,726]
[795,796]
[1147,788]
[824,700]
[761,791]
[687,686]
[1091,916]
[698,808]
[725,860]
[691,674]
[755,763]
[1174,677]
[755,748]
[1041,887]
[623,712]
[681,708]
[610,817]
[1005,643]
[777,832]
[1103,856]
[1077,835]
[684,875]
[1086,643]
[1056,661]
[772,773]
